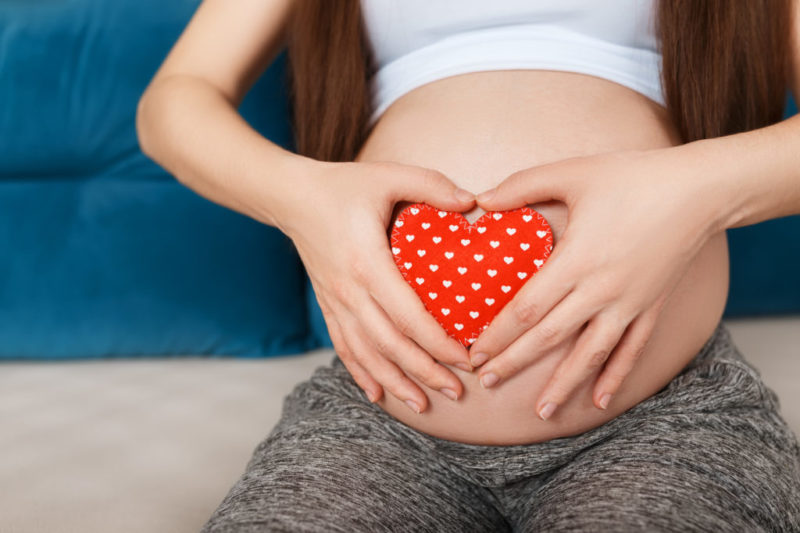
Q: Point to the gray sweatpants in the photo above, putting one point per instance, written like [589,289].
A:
[709,452]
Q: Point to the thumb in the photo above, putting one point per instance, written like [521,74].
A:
[524,187]
[433,188]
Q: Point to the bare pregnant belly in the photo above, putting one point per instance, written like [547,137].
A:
[477,128]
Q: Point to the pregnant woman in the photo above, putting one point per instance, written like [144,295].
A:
[607,394]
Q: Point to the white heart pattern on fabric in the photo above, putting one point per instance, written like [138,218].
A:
[510,246]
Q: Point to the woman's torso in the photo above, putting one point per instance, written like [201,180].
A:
[478,128]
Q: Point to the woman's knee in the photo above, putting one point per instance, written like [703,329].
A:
[677,479]
[327,480]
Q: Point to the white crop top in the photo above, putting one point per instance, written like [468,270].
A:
[419,41]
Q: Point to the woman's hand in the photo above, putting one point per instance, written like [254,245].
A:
[635,221]
[339,222]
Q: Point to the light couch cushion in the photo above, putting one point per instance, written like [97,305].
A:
[154,445]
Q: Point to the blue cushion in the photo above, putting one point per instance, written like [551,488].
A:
[138,266]
[103,253]
[765,261]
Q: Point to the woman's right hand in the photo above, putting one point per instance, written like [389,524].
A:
[380,328]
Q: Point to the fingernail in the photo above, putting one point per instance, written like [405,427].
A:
[463,195]
[479,358]
[487,195]
[370,396]
[604,399]
[547,410]
[464,366]
[450,393]
[413,405]
[487,380]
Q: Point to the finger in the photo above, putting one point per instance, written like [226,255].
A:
[409,315]
[390,343]
[371,388]
[385,372]
[334,331]
[593,348]
[625,356]
[432,187]
[522,187]
[569,315]
[535,299]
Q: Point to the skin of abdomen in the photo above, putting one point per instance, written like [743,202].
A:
[477,128]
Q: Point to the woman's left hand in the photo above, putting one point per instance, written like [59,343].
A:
[635,221]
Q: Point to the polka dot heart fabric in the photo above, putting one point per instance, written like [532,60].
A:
[466,273]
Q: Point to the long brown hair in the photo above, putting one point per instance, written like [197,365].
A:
[725,69]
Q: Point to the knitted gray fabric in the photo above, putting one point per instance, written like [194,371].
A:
[709,452]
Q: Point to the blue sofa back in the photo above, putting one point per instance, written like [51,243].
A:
[103,253]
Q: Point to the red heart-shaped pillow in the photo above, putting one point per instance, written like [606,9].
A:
[466,273]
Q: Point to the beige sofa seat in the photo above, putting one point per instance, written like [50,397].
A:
[153,445]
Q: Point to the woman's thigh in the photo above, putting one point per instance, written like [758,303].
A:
[712,454]
[333,464]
